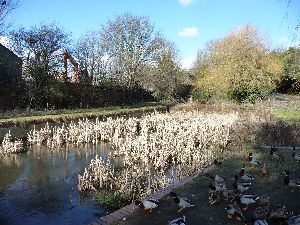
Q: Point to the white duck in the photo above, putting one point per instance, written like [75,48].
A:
[148,204]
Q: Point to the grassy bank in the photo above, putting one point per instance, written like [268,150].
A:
[287,115]
[26,118]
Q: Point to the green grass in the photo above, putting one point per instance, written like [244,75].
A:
[27,118]
[287,115]
[112,201]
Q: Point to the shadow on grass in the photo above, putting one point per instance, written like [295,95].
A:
[278,134]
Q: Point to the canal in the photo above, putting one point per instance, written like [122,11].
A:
[40,186]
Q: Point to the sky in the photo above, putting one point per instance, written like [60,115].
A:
[190,24]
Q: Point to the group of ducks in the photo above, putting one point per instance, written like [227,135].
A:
[183,203]
[241,183]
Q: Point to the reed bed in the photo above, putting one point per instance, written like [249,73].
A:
[151,152]
[10,146]
[156,150]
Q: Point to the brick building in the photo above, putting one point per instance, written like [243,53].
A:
[10,73]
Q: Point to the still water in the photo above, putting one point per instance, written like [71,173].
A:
[40,187]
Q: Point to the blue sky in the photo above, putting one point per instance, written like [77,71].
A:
[190,24]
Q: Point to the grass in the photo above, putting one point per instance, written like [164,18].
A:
[197,192]
[287,115]
[112,201]
[27,118]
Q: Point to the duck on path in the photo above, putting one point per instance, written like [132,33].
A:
[148,204]
[295,155]
[183,203]
[290,183]
[178,221]
[252,161]
[245,176]
[247,200]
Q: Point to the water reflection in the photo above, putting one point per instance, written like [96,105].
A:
[40,186]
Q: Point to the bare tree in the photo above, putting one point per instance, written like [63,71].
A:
[6,7]
[131,45]
[90,55]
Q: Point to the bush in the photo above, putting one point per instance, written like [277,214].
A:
[238,67]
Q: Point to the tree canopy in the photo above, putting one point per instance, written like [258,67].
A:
[237,66]
[131,45]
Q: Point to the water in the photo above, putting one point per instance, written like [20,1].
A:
[40,187]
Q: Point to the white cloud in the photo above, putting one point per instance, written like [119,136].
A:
[188,62]
[185,2]
[188,32]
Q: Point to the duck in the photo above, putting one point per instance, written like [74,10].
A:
[290,183]
[216,187]
[147,204]
[258,222]
[275,155]
[230,195]
[264,171]
[293,220]
[244,176]
[242,187]
[183,203]
[217,163]
[252,161]
[295,155]
[178,221]
[215,197]
[217,178]
[233,211]
[247,200]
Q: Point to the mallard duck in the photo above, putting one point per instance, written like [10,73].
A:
[217,178]
[252,161]
[242,187]
[264,172]
[148,204]
[216,187]
[258,222]
[247,200]
[181,202]
[233,211]
[295,155]
[290,183]
[275,155]
[214,197]
[244,176]
[230,195]
[217,163]
[178,221]
[293,220]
